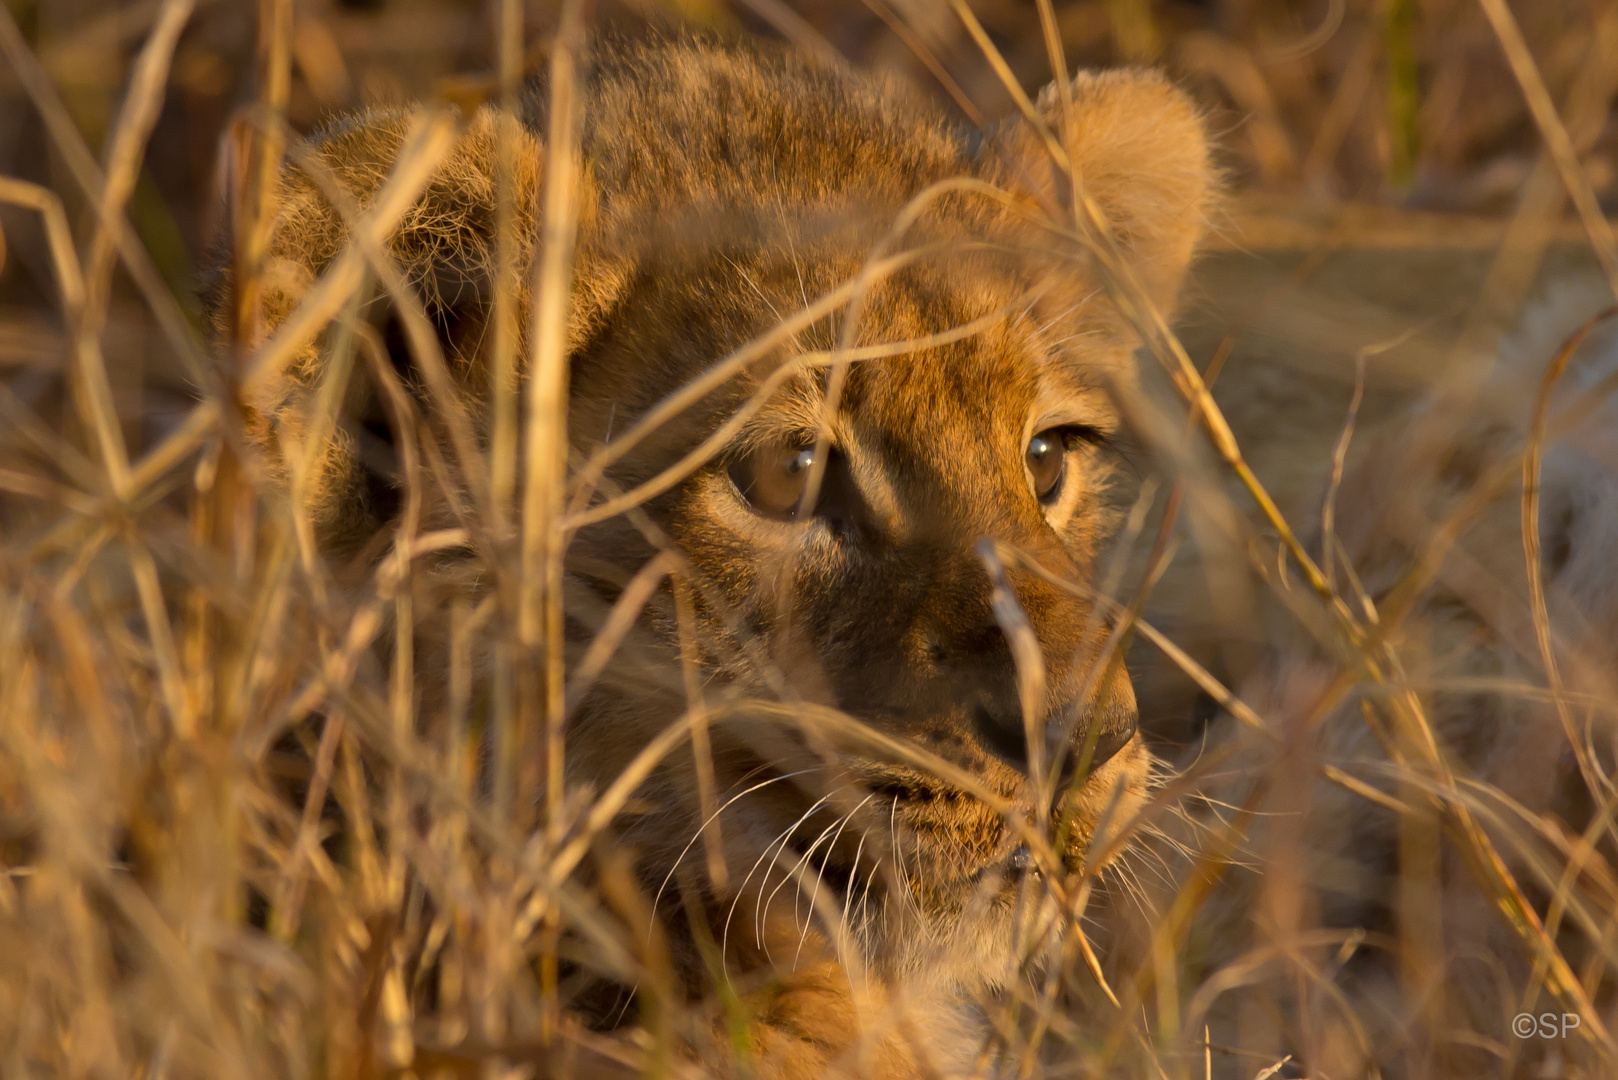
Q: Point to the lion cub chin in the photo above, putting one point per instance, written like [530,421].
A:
[842,398]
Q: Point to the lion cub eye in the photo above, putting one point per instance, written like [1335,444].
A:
[772,478]
[1046,458]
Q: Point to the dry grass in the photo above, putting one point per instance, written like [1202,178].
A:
[229,846]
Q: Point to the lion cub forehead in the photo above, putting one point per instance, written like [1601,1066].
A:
[982,393]
[1003,379]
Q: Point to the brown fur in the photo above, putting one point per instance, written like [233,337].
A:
[723,190]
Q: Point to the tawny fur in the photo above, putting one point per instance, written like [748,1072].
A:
[723,189]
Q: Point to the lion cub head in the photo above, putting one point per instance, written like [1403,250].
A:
[826,363]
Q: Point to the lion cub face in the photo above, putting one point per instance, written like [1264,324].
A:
[884,488]
[894,511]
[874,564]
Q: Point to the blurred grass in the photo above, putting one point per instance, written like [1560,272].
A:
[146,585]
[1404,93]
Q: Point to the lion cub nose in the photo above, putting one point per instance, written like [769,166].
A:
[1087,745]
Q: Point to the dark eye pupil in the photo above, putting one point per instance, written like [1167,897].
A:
[1046,458]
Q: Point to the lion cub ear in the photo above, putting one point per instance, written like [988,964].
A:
[1139,148]
[444,249]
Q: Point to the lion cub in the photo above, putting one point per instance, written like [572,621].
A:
[825,361]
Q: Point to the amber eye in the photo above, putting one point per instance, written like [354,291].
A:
[773,476]
[1046,458]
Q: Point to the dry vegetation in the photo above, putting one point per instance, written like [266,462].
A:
[230,848]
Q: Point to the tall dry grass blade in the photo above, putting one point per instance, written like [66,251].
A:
[254,210]
[88,177]
[1029,663]
[540,615]
[701,746]
[93,394]
[504,376]
[1533,454]
[1330,545]
[545,444]
[142,102]
[929,58]
[1555,134]
[1009,81]
[1529,234]
[58,237]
